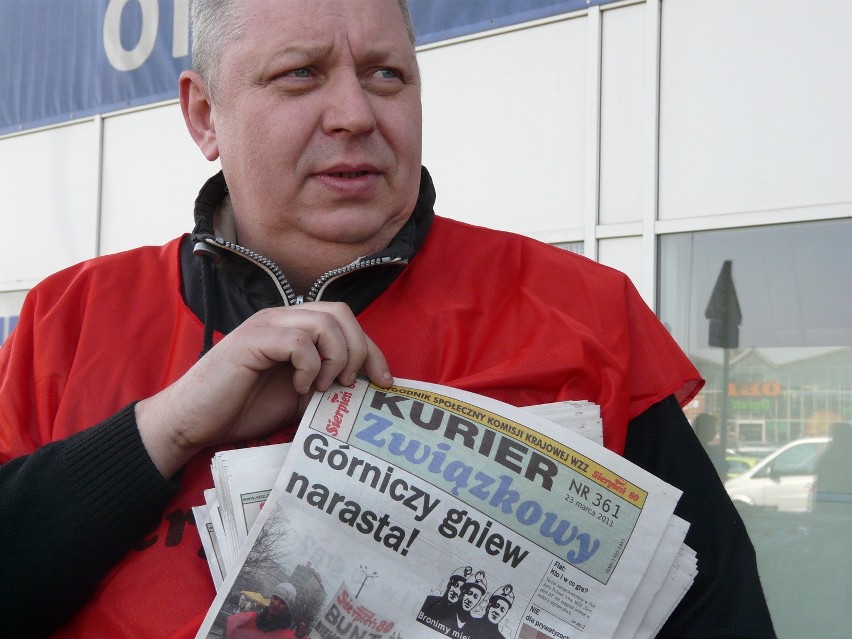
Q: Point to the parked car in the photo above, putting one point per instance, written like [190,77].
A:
[782,480]
[738,464]
[756,449]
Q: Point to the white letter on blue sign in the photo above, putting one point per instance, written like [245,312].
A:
[118,56]
[180,38]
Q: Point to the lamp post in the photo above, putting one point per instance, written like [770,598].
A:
[723,311]
[367,575]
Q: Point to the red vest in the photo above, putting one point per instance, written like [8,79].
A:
[489,312]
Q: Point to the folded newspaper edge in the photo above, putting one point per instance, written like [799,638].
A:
[422,510]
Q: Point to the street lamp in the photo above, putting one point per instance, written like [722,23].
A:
[367,575]
[723,311]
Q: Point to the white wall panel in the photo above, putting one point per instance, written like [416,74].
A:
[624,115]
[152,173]
[504,127]
[48,202]
[755,103]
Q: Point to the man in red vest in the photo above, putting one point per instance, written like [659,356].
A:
[316,255]
[275,621]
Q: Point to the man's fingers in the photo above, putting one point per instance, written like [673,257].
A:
[376,366]
[361,352]
[307,366]
[356,344]
[322,341]
[256,377]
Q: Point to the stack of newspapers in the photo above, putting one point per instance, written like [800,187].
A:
[426,511]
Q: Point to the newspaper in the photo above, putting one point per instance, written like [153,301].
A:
[204,516]
[459,516]
[243,479]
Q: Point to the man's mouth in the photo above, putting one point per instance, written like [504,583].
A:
[348,174]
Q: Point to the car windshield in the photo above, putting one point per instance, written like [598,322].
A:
[798,460]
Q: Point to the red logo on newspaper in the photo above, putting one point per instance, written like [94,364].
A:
[363,615]
[332,426]
[617,485]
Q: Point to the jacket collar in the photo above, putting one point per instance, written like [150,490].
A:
[244,282]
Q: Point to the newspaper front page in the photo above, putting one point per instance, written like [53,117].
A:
[445,513]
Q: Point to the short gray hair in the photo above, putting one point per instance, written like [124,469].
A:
[409,25]
[216,23]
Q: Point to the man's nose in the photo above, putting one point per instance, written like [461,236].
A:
[349,108]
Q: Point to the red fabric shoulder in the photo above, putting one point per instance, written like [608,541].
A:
[527,323]
[90,340]
[80,331]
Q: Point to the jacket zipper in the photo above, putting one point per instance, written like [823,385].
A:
[327,278]
[265,263]
[286,290]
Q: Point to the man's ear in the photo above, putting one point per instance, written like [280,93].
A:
[197,110]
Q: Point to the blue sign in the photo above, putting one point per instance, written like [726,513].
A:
[67,59]
[64,59]
[436,20]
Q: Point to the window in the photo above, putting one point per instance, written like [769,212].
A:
[573,247]
[10,306]
[775,346]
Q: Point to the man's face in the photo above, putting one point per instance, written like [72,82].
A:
[470,598]
[277,607]
[497,609]
[317,121]
[454,590]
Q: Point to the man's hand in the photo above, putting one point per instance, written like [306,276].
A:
[258,378]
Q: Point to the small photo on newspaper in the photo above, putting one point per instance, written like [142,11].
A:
[426,511]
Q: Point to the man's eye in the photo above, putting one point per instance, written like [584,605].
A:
[387,74]
[301,72]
